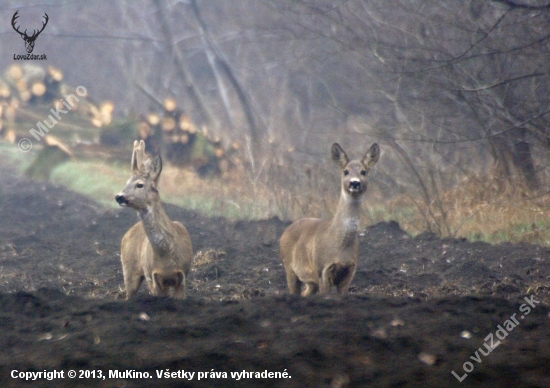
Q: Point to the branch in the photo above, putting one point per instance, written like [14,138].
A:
[149,94]
[254,132]
[177,57]
[487,87]
[514,5]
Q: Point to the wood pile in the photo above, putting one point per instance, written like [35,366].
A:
[28,92]
[173,133]
[36,98]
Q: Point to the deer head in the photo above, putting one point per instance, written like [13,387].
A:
[354,172]
[29,40]
[142,188]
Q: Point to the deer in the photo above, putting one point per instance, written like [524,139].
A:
[319,254]
[155,248]
[29,40]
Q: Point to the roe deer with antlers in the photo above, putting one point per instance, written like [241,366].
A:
[324,253]
[155,249]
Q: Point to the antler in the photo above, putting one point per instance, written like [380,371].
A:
[138,156]
[13,21]
[24,34]
[35,34]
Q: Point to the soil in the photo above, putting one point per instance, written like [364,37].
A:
[418,309]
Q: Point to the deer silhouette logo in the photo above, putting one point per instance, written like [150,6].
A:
[29,40]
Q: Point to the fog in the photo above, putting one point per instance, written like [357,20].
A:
[453,91]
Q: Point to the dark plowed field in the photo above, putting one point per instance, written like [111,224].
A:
[419,309]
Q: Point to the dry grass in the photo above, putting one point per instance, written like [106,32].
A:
[226,196]
[486,209]
[479,208]
[204,258]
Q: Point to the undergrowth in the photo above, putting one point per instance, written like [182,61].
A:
[480,208]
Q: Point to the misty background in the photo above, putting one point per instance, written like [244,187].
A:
[456,93]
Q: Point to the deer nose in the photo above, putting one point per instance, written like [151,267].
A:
[355,184]
[120,199]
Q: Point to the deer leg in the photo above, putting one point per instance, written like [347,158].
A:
[179,290]
[327,278]
[158,286]
[132,272]
[294,284]
[311,288]
[132,283]
[343,285]
[151,286]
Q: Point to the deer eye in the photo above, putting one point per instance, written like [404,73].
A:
[363,172]
[346,172]
[139,185]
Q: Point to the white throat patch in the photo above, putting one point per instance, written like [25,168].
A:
[351,224]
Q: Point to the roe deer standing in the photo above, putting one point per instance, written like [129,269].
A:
[155,249]
[324,253]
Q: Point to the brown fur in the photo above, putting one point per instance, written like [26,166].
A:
[324,253]
[155,249]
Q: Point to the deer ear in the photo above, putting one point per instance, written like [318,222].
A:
[133,164]
[371,156]
[339,155]
[155,168]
